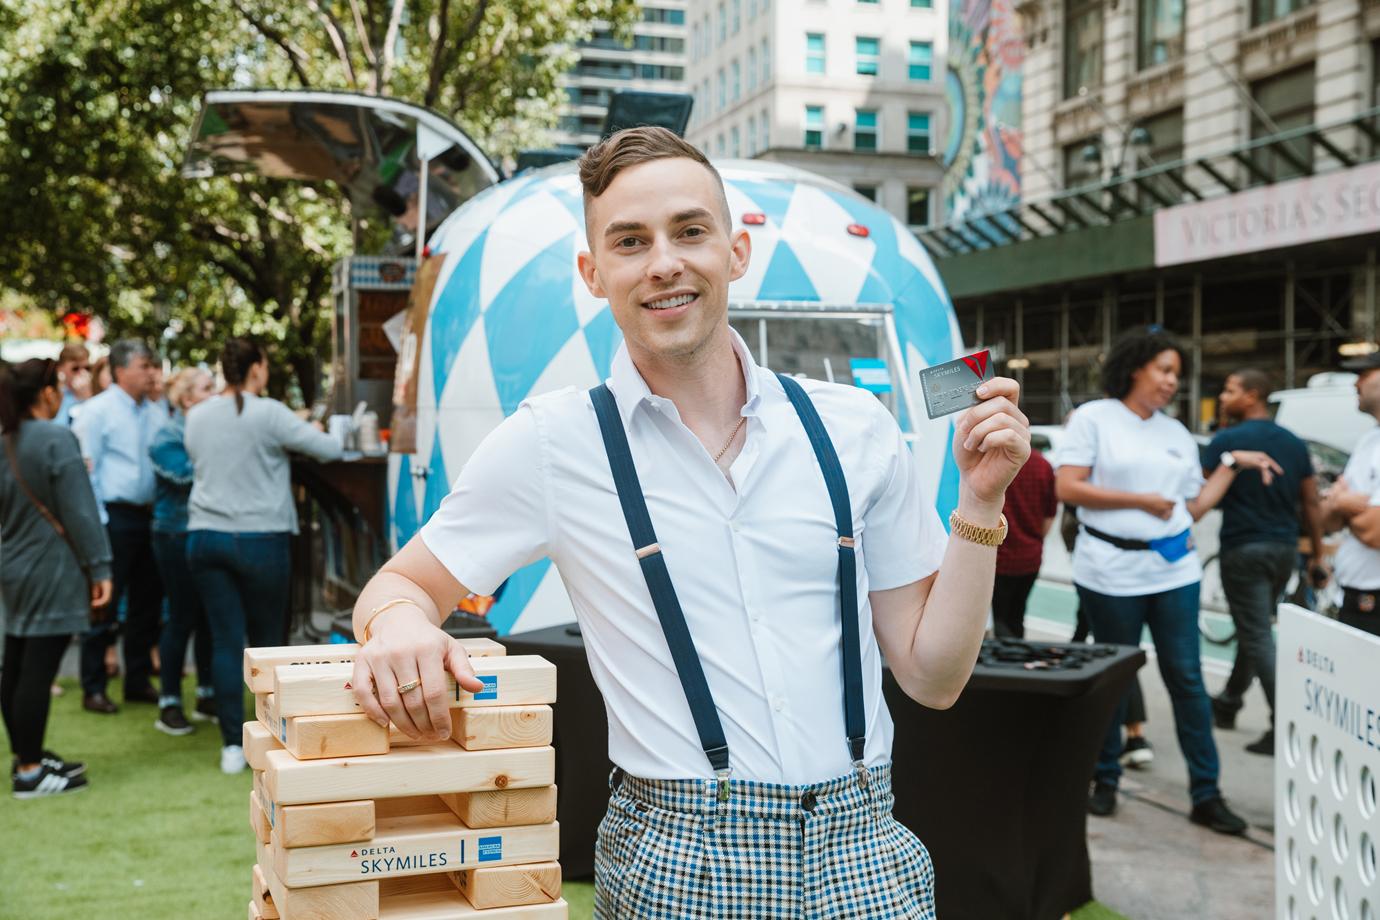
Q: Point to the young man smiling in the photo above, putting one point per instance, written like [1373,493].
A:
[741,549]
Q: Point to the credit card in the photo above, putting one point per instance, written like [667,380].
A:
[952,386]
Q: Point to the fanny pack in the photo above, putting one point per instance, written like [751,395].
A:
[1171,549]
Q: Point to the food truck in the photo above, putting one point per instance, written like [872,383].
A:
[445,340]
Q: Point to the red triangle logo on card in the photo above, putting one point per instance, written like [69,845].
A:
[977,363]
[348,686]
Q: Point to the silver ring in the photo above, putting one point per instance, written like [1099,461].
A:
[410,685]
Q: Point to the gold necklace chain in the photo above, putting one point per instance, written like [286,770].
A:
[723,450]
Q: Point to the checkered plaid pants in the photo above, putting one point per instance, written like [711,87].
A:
[668,850]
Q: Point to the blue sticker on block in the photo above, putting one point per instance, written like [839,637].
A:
[490,691]
[490,849]
[284,730]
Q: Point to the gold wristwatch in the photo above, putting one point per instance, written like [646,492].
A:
[983,536]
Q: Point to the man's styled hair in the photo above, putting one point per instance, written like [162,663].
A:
[601,164]
[1254,380]
[123,353]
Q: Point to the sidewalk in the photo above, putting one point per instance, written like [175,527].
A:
[1149,862]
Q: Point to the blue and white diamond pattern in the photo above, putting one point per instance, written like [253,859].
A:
[511,318]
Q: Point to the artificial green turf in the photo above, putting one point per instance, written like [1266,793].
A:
[161,834]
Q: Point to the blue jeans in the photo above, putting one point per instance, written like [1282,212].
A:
[244,580]
[1173,620]
[186,616]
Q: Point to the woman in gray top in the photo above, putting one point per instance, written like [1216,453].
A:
[54,570]
[241,518]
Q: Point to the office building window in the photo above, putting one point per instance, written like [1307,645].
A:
[867,191]
[1263,11]
[766,62]
[1288,101]
[918,132]
[814,52]
[695,42]
[1161,32]
[719,145]
[654,14]
[737,72]
[708,35]
[751,132]
[752,10]
[723,24]
[922,4]
[814,127]
[765,143]
[723,91]
[752,69]
[1081,165]
[867,2]
[867,51]
[735,145]
[917,206]
[1082,45]
[737,16]
[921,60]
[865,129]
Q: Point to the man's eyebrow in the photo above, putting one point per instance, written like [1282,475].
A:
[623,226]
[691,214]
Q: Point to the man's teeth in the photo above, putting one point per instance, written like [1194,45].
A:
[671,302]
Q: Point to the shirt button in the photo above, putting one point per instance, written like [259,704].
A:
[778,703]
[755,616]
[733,527]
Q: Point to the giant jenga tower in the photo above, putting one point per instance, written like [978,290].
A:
[357,822]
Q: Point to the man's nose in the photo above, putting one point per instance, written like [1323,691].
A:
[665,261]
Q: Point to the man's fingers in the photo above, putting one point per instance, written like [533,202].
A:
[1002,438]
[990,407]
[363,683]
[458,661]
[1000,386]
[984,429]
[435,693]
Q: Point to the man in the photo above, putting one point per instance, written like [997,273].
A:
[1353,502]
[74,372]
[1030,510]
[774,767]
[1259,537]
[115,429]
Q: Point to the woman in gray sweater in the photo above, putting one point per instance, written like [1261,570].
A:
[54,571]
[241,518]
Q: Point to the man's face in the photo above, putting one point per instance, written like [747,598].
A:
[1368,391]
[69,369]
[1235,400]
[136,377]
[663,254]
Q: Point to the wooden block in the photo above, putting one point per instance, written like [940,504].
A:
[258,740]
[433,897]
[329,822]
[487,728]
[358,900]
[254,913]
[406,805]
[260,662]
[263,898]
[505,808]
[423,770]
[416,845]
[319,689]
[314,737]
[258,818]
[510,886]
[266,711]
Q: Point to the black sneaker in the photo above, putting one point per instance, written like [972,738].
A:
[1216,816]
[1224,713]
[1265,744]
[1137,753]
[46,782]
[65,767]
[1102,802]
[171,721]
[205,710]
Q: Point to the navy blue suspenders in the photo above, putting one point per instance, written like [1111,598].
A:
[663,593]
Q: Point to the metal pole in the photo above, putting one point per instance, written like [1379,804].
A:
[981,339]
[423,165]
[898,360]
[1370,294]
[1195,380]
[1289,324]
[1020,340]
[1108,317]
[1064,352]
[1159,301]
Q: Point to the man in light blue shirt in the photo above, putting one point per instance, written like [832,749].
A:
[115,429]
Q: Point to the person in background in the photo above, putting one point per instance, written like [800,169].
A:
[158,394]
[115,429]
[1353,502]
[172,470]
[55,569]
[74,372]
[1259,537]
[241,517]
[1135,476]
[1030,509]
[101,376]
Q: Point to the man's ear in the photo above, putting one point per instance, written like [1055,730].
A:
[590,275]
[739,255]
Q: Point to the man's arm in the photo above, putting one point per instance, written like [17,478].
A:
[931,630]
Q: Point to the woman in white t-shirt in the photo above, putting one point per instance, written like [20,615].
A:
[1135,476]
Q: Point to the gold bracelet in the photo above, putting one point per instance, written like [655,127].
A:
[983,536]
[381,608]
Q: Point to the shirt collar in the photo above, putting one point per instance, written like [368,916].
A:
[127,400]
[630,389]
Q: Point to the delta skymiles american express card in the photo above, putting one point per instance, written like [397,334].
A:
[952,386]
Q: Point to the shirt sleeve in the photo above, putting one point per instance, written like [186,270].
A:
[903,539]
[75,507]
[1078,446]
[169,456]
[495,519]
[301,437]
[1193,472]
[90,431]
[1215,449]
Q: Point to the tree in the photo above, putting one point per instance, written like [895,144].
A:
[97,102]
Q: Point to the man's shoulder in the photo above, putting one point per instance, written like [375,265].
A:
[558,403]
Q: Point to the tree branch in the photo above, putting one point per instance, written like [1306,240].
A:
[390,37]
[365,41]
[295,54]
[448,53]
[337,37]
[438,53]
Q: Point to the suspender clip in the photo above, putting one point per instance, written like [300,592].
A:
[723,784]
[847,541]
[650,549]
[863,776]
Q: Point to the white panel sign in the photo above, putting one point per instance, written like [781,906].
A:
[1327,769]
[1287,213]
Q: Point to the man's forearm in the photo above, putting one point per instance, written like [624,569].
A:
[387,586]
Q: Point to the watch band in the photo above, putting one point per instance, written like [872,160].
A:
[983,536]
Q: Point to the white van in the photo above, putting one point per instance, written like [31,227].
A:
[1324,411]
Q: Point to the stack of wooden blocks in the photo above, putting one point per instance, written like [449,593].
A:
[357,822]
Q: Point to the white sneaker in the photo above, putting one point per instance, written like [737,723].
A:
[232,759]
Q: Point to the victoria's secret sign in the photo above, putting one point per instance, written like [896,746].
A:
[1284,214]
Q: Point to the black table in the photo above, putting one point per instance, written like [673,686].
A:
[996,786]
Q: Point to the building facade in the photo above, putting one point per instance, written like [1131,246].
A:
[1207,165]
[655,62]
[849,89]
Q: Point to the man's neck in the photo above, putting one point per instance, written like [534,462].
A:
[1255,414]
[133,394]
[707,388]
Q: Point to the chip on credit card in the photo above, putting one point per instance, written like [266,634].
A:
[952,386]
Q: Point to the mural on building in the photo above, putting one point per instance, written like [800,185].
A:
[982,155]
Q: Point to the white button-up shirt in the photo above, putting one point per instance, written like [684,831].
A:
[755,569]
